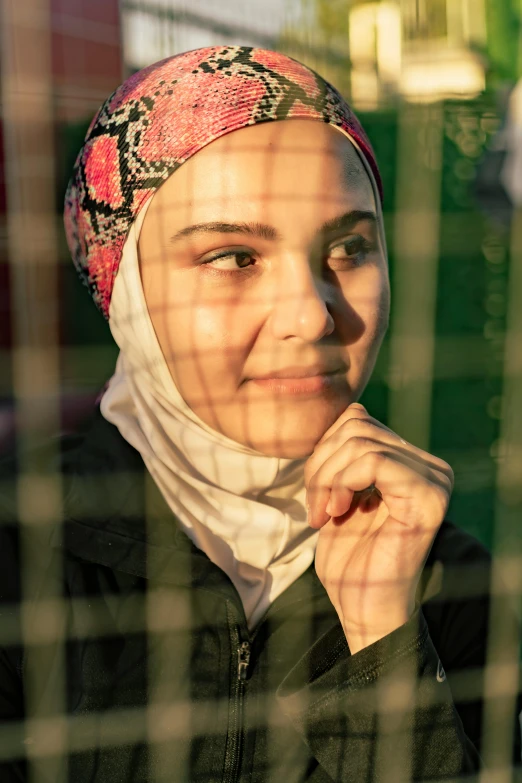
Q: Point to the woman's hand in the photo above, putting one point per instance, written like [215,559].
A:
[379,502]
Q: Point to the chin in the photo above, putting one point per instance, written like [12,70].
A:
[286,450]
[290,432]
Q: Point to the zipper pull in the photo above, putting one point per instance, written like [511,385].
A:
[243,659]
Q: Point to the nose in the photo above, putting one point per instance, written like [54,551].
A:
[300,304]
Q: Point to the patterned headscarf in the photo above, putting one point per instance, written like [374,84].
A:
[163,115]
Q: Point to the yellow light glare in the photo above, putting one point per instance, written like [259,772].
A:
[435,79]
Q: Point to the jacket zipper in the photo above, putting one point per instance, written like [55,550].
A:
[235,737]
[243,659]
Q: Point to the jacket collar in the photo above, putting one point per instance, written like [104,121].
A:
[115,516]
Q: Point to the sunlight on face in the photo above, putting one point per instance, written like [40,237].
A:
[266,282]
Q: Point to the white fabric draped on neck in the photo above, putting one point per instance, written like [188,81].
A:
[245,510]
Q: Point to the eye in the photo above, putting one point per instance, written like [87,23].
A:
[231,260]
[351,252]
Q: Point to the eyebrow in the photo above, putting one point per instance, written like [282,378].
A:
[347,221]
[264,231]
[260,230]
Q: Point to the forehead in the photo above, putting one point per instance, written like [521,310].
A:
[297,164]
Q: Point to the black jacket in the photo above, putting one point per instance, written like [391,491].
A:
[133,635]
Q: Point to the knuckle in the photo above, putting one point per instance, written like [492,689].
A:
[357,416]
[344,433]
[444,468]
[357,440]
[445,479]
[318,480]
[355,446]
[441,499]
[375,458]
[312,480]
[351,422]
[309,470]
[338,481]
[349,426]
[449,480]
[357,421]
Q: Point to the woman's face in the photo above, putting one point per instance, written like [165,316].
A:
[267,283]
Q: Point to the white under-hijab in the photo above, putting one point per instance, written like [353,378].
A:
[245,510]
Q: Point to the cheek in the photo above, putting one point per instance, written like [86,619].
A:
[205,338]
[216,328]
[378,314]
[365,310]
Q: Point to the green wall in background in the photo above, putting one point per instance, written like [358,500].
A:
[470,309]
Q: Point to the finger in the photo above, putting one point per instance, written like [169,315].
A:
[363,423]
[411,498]
[339,501]
[337,454]
[361,426]
[322,488]
[331,476]
[353,421]
[355,410]
[418,472]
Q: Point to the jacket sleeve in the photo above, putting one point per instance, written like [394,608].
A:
[392,711]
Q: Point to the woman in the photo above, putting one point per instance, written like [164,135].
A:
[258,575]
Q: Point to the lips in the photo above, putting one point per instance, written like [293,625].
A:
[290,373]
[312,380]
